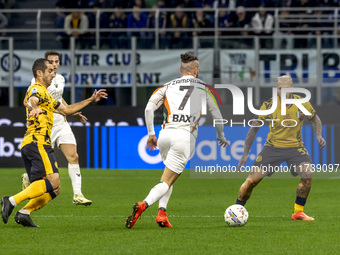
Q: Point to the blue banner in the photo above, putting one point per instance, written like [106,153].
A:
[125,147]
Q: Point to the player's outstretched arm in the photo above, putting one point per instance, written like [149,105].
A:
[77,115]
[216,114]
[73,108]
[317,127]
[248,143]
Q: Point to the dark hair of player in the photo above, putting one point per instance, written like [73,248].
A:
[39,64]
[187,58]
[52,53]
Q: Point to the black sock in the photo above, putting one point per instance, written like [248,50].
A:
[162,208]
[239,202]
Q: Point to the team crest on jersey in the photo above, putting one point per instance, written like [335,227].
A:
[259,158]
[34,90]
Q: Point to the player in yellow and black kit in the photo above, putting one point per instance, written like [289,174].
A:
[284,144]
[36,149]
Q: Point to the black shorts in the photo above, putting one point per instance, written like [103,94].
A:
[39,160]
[270,157]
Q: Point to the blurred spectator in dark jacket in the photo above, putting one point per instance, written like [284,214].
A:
[179,19]
[162,24]
[115,40]
[137,19]
[224,20]
[201,21]
[241,22]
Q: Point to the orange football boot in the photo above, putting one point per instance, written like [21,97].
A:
[138,208]
[301,216]
[162,219]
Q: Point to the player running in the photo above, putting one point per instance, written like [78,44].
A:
[283,144]
[183,99]
[61,134]
[36,149]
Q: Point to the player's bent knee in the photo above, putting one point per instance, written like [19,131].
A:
[54,180]
[57,191]
[73,158]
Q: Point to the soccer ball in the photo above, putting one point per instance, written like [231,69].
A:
[236,216]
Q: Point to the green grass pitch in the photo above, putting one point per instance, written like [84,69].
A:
[195,210]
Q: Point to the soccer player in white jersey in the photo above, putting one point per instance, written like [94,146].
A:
[183,99]
[61,134]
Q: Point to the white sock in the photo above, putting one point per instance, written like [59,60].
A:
[156,193]
[11,199]
[24,211]
[163,202]
[74,173]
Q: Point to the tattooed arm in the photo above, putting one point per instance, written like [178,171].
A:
[317,127]
[248,143]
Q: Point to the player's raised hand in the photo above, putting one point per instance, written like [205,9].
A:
[151,144]
[242,161]
[97,95]
[223,142]
[321,141]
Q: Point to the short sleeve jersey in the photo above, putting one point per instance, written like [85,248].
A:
[183,99]
[279,135]
[56,90]
[39,129]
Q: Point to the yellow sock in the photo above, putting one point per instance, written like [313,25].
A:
[38,202]
[298,208]
[35,189]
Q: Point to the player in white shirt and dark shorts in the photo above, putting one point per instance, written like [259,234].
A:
[183,99]
[62,136]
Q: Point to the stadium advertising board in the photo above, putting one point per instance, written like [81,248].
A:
[238,67]
[125,147]
[107,67]
[117,137]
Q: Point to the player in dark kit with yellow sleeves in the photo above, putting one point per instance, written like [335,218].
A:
[36,150]
[284,144]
